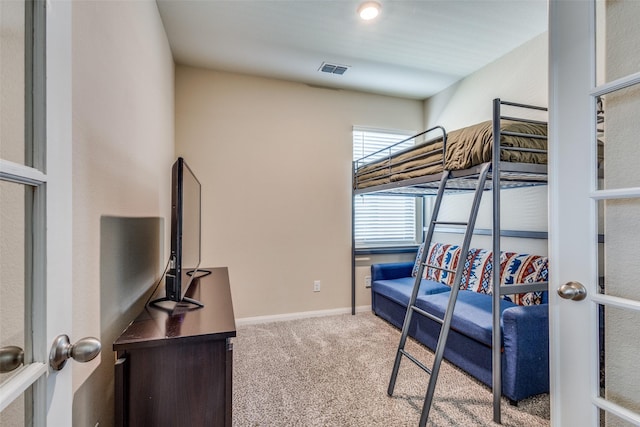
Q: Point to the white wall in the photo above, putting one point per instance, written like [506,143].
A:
[274,159]
[522,209]
[519,76]
[123,147]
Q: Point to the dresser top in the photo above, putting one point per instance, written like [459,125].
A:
[171,323]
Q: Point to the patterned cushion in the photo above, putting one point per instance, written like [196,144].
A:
[523,268]
[441,255]
[416,264]
[477,275]
[514,269]
[478,268]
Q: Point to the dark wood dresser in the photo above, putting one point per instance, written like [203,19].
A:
[174,366]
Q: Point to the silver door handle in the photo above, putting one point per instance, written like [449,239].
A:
[11,357]
[84,350]
[574,291]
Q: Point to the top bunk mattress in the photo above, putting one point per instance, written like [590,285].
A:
[464,148]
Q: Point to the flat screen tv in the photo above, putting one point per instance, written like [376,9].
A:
[185,233]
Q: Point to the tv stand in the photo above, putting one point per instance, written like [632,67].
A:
[174,366]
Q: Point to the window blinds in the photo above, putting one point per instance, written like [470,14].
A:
[382,220]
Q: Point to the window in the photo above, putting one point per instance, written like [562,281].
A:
[383,220]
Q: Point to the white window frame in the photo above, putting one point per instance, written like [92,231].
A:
[375,238]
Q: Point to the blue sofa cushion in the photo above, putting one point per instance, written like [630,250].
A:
[399,290]
[472,315]
[390,271]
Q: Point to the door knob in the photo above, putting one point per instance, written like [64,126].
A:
[573,290]
[84,350]
[11,357]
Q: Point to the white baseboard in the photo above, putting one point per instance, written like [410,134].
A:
[300,315]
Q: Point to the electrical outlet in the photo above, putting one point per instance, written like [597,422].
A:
[316,286]
[367,282]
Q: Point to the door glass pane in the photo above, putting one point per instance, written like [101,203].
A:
[618,130]
[14,414]
[12,266]
[12,81]
[617,46]
[620,363]
[17,111]
[619,268]
[617,39]
[611,420]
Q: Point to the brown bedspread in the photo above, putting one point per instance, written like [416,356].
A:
[421,160]
[466,147]
[473,145]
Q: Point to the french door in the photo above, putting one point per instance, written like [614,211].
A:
[594,197]
[35,208]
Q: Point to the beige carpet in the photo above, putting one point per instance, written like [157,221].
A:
[334,371]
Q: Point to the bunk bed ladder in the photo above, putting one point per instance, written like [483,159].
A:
[448,315]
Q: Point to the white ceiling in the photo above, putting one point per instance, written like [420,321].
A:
[413,49]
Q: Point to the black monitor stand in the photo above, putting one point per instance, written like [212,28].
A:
[188,298]
[156,304]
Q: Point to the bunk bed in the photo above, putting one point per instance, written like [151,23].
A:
[418,169]
[469,158]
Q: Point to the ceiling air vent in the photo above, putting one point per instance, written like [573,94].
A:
[333,68]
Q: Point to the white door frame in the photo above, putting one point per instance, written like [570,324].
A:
[573,228]
[59,203]
[572,258]
[49,275]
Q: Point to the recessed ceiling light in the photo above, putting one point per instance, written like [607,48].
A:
[369,10]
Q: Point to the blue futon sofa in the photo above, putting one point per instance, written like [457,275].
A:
[524,317]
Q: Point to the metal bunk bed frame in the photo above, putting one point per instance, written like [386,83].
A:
[502,175]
